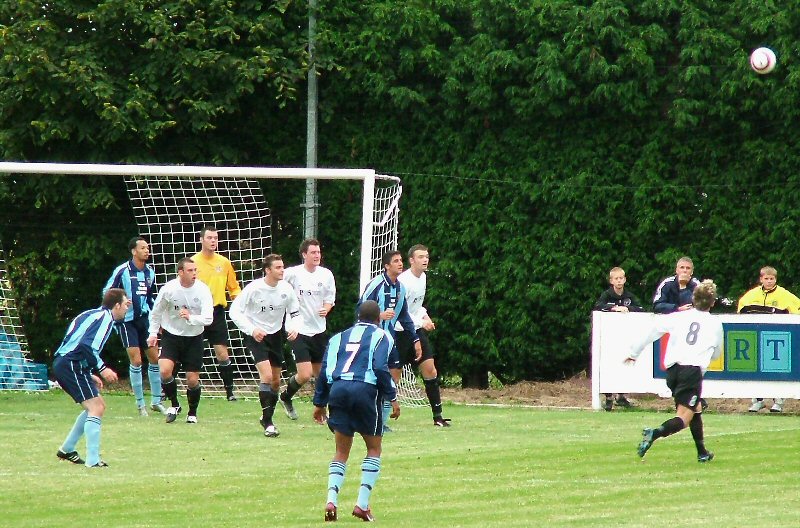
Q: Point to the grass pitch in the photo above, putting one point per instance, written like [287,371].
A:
[496,466]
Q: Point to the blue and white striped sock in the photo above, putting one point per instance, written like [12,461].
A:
[370,470]
[336,472]
[154,375]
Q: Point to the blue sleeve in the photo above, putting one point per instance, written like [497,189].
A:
[661,302]
[322,388]
[380,366]
[371,293]
[151,290]
[97,336]
[120,279]
[404,319]
[113,281]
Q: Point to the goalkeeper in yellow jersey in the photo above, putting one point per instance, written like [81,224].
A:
[216,272]
[768,298]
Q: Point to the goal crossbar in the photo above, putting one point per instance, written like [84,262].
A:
[188,171]
[367,176]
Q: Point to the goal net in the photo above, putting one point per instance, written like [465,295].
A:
[171,211]
[17,372]
[172,204]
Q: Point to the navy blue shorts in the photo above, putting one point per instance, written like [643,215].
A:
[309,348]
[270,348]
[75,379]
[355,407]
[133,334]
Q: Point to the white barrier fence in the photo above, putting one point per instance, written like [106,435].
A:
[761,357]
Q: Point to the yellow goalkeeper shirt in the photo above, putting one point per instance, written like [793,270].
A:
[217,273]
[779,298]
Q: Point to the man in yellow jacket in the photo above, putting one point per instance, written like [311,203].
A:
[768,297]
[216,272]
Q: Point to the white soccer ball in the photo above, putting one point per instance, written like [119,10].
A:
[762,60]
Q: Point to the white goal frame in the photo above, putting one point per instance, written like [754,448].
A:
[370,254]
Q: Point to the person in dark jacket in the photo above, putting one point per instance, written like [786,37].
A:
[617,299]
[674,294]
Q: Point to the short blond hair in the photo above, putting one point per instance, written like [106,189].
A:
[768,270]
[704,295]
[615,269]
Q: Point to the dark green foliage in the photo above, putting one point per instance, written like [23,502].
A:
[540,143]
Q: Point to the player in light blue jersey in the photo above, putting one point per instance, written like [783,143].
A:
[138,281]
[354,383]
[75,359]
[390,294]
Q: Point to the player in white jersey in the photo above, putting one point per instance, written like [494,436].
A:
[695,338]
[415,281]
[316,289]
[181,311]
[259,312]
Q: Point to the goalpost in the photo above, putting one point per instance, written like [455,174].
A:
[172,203]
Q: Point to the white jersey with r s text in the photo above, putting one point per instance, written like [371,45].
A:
[263,306]
[313,289]
[172,298]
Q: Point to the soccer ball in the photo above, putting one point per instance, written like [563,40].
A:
[762,60]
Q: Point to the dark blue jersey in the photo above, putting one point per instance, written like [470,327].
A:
[669,295]
[86,336]
[388,295]
[139,286]
[360,353]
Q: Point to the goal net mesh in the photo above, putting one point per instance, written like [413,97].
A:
[171,211]
[17,372]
